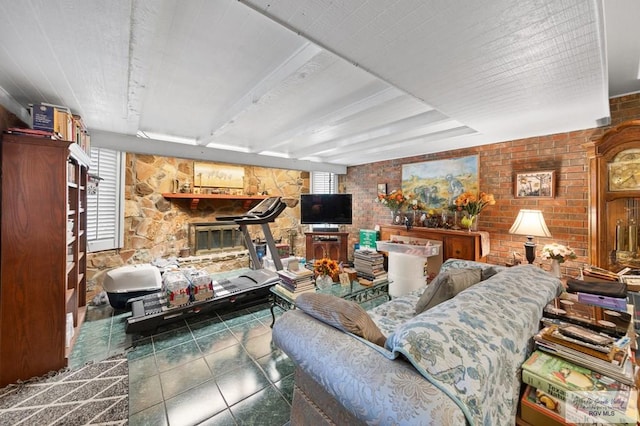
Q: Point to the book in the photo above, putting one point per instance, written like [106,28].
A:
[538,408]
[568,308]
[617,364]
[292,295]
[583,390]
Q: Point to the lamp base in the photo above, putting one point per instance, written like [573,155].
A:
[530,250]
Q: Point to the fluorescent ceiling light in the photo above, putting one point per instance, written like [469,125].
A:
[228,147]
[274,154]
[166,138]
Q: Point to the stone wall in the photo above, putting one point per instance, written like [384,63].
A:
[155,227]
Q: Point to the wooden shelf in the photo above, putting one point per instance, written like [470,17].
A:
[195,198]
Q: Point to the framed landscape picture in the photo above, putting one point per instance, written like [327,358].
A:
[537,184]
[218,176]
[438,183]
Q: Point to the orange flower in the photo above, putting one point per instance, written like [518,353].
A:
[473,204]
[325,266]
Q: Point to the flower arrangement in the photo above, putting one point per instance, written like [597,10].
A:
[395,200]
[558,252]
[325,266]
[472,204]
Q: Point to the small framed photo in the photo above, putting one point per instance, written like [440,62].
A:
[382,189]
[537,184]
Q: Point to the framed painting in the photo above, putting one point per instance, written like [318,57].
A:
[537,184]
[382,189]
[208,175]
[438,183]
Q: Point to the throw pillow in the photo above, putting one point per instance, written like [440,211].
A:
[488,272]
[446,285]
[342,314]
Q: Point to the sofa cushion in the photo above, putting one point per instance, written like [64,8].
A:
[446,285]
[342,314]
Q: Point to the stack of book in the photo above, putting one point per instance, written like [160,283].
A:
[583,368]
[294,283]
[369,266]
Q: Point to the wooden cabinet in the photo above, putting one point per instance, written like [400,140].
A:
[333,245]
[42,253]
[455,244]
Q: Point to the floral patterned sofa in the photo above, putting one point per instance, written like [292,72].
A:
[455,363]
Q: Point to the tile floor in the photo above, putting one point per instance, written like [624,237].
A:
[222,369]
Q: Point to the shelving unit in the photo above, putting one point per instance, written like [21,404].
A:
[43,253]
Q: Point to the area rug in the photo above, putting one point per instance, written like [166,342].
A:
[96,394]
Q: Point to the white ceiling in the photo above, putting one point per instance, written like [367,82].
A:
[325,84]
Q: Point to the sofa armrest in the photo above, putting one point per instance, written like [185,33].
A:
[361,376]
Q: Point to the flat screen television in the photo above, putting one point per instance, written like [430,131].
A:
[325,209]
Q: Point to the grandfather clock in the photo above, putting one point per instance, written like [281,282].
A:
[614,201]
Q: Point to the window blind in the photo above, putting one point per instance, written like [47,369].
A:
[324,183]
[105,206]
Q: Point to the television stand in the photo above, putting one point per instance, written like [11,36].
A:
[333,245]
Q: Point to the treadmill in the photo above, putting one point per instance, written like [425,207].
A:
[150,311]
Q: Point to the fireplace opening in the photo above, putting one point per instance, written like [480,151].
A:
[215,237]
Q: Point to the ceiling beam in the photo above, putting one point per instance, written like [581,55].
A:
[128,143]
[297,60]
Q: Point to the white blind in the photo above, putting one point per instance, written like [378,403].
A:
[104,208]
[324,183]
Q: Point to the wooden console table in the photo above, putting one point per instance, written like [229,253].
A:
[333,245]
[457,244]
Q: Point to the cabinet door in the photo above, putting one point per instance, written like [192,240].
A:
[333,250]
[319,250]
[459,248]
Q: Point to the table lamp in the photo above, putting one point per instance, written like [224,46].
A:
[530,223]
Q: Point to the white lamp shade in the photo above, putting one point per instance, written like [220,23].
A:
[530,223]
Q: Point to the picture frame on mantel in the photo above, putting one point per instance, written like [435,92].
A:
[534,184]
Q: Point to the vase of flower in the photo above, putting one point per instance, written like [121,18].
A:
[555,268]
[470,221]
[324,281]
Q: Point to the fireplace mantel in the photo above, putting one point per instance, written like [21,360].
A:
[195,198]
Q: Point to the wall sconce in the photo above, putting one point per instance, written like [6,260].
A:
[530,223]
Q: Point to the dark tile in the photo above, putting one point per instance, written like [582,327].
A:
[221,419]
[266,407]
[237,317]
[144,393]
[285,386]
[184,377]
[177,355]
[228,359]
[241,383]
[276,365]
[154,415]
[217,341]
[260,346]
[171,338]
[140,368]
[249,329]
[195,405]
[207,327]
[141,348]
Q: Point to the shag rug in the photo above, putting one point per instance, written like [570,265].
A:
[96,394]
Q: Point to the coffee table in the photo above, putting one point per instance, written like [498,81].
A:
[355,291]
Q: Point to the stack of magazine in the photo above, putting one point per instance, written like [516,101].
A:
[583,368]
[294,283]
[369,266]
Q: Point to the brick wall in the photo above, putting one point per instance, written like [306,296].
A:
[566,214]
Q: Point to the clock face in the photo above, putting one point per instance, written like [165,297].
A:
[624,171]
